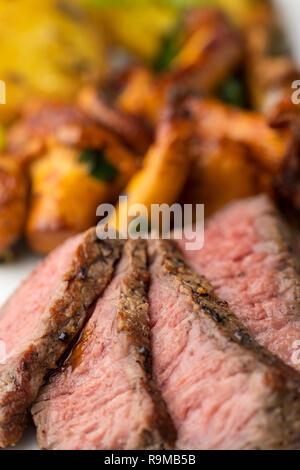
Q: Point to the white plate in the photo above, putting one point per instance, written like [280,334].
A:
[13,273]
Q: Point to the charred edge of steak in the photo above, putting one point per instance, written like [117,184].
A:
[133,321]
[282,407]
[90,271]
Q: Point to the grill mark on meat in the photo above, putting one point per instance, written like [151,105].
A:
[239,396]
[57,324]
[104,396]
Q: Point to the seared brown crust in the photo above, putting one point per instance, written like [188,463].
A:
[282,406]
[132,330]
[133,323]
[22,375]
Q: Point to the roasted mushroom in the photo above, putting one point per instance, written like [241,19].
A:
[222,171]
[131,128]
[165,167]
[74,165]
[13,202]
[271,148]
[200,53]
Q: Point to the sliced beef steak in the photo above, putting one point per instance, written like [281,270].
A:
[42,317]
[104,397]
[222,389]
[247,259]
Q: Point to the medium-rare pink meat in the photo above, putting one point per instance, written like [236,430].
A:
[222,389]
[104,397]
[42,317]
[249,263]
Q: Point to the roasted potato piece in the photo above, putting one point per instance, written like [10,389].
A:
[68,184]
[204,52]
[221,171]
[13,202]
[131,128]
[48,49]
[271,148]
[165,167]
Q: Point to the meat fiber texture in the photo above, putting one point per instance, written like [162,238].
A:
[222,389]
[43,316]
[247,258]
[104,398]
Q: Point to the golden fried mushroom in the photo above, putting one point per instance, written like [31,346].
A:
[270,70]
[74,165]
[131,128]
[165,167]
[144,94]
[36,129]
[271,74]
[13,202]
[198,56]
[270,148]
[222,171]
[68,184]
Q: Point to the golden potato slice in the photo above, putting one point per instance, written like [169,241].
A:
[48,49]
[68,184]
[137,25]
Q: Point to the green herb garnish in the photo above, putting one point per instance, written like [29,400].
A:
[169,49]
[98,165]
[233,91]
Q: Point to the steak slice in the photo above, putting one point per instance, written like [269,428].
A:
[223,390]
[104,397]
[247,259]
[42,317]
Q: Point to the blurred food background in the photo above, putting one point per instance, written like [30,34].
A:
[165,100]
